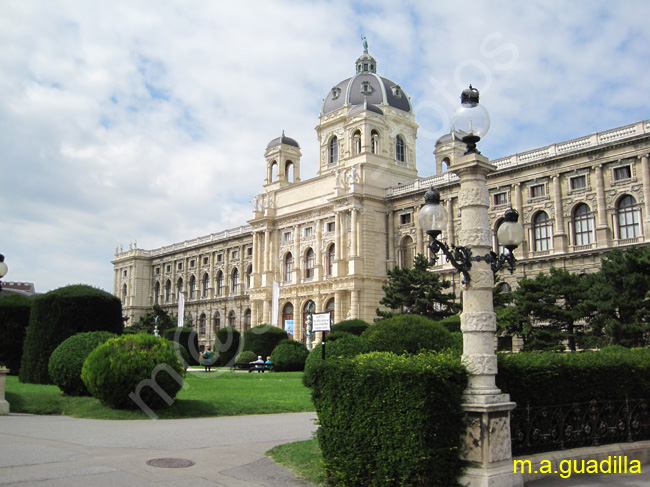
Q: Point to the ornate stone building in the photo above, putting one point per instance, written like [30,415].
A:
[330,239]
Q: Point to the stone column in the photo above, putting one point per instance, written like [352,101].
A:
[391,240]
[487,411]
[559,236]
[318,267]
[518,205]
[354,233]
[645,172]
[603,232]
[297,257]
[4,405]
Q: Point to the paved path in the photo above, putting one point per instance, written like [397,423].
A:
[58,451]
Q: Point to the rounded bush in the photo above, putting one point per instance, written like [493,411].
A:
[355,326]
[58,315]
[408,334]
[262,339]
[134,371]
[335,335]
[346,346]
[452,323]
[227,345]
[246,356]
[68,358]
[289,356]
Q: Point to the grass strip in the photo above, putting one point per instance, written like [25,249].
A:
[303,458]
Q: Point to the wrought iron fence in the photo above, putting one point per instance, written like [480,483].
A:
[541,429]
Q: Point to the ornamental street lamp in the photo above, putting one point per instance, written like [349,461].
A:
[487,410]
[3,269]
[433,219]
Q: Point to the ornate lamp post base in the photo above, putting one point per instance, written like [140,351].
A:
[4,405]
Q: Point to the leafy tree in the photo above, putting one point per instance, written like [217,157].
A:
[418,291]
[147,323]
[557,304]
[620,296]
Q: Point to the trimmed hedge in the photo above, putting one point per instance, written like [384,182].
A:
[408,334]
[14,319]
[390,420]
[188,338]
[345,346]
[134,371]
[262,339]
[68,358]
[227,345]
[289,356]
[58,315]
[246,356]
[355,326]
[550,379]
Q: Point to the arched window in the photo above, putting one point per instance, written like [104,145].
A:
[330,308]
[168,291]
[192,287]
[406,253]
[179,286]
[288,266]
[124,291]
[287,319]
[274,171]
[249,275]
[356,140]
[219,283]
[309,264]
[206,285]
[331,254]
[628,218]
[234,282]
[400,149]
[232,319]
[217,321]
[156,293]
[583,227]
[202,324]
[247,319]
[542,231]
[374,142]
[333,150]
[289,171]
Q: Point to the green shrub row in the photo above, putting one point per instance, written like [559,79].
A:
[227,346]
[390,420]
[262,339]
[14,318]
[548,378]
[188,339]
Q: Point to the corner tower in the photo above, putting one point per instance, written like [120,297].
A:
[367,123]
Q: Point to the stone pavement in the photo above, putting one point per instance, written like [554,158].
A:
[58,451]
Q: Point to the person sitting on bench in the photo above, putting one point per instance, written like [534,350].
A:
[258,365]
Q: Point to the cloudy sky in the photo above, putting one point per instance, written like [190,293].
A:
[147,121]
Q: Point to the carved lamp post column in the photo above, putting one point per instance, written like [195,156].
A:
[487,411]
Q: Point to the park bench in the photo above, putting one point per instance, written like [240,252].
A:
[246,366]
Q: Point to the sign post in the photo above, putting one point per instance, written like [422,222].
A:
[322,323]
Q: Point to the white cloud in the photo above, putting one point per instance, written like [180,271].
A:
[130,120]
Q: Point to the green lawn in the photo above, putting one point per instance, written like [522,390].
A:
[303,458]
[218,393]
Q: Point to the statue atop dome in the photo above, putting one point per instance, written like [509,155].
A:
[365,43]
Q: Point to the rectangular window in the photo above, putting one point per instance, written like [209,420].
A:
[180,266]
[622,172]
[219,257]
[235,254]
[192,263]
[287,236]
[169,268]
[500,199]
[537,191]
[157,271]
[205,260]
[330,227]
[578,182]
[309,231]
[405,219]
[126,273]
[249,251]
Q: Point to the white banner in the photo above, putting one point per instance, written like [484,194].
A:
[181,310]
[321,321]
[275,304]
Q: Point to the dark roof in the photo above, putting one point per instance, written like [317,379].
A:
[283,140]
[365,106]
[380,93]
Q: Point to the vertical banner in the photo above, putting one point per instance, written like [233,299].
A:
[181,310]
[275,304]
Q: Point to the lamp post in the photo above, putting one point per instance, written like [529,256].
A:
[3,269]
[487,411]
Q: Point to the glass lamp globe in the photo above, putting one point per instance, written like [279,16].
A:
[3,266]
[511,232]
[470,121]
[433,216]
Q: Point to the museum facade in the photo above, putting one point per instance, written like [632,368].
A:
[326,243]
